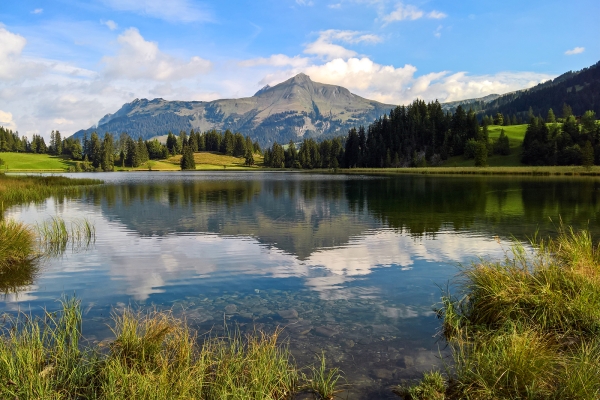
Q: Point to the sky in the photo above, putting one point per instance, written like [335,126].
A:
[64,64]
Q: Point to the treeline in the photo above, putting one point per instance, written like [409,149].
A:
[11,142]
[126,152]
[574,142]
[415,135]
[94,153]
[326,154]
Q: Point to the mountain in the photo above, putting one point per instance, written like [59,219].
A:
[579,89]
[294,109]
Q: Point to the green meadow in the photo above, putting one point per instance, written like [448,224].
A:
[34,162]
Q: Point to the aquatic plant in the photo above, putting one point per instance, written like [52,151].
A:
[17,244]
[18,189]
[323,381]
[55,234]
[527,327]
[153,356]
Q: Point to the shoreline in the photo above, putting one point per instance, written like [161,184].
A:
[506,171]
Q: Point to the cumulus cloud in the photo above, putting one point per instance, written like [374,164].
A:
[325,47]
[408,12]
[576,50]
[6,120]
[401,85]
[305,2]
[38,11]
[11,46]
[138,58]
[39,95]
[171,11]
[112,25]
[276,60]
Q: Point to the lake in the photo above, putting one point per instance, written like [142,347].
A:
[348,265]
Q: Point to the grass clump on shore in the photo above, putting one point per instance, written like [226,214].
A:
[527,327]
[153,356]
[16,189]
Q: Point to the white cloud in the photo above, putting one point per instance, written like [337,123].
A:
[276,60]
[11,46]
[172,10]
[436,15]
[408,12]
[112,25]
[401,85]
[6,120]
[38,11]
[141,59]
[305,2]
[335,6]
[576,50]
[324,46]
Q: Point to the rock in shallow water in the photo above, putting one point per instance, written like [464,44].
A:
[325,331]
[230,308]
[380,373]
[288,314]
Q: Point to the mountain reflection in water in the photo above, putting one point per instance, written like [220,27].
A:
[359,259]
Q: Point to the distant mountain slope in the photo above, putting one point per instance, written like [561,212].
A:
[579,89]
[294,109]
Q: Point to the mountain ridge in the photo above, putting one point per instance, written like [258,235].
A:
[294,109]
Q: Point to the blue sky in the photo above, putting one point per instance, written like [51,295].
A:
[66,63]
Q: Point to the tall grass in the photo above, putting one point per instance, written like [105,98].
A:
[21,189]
[55,234]
[18,255]
[153,356]
[527,327]
[17,244]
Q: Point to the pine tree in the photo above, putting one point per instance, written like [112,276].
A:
[587,155]
[187,159]
[107,158]
[551,118]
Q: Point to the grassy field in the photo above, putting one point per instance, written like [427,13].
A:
[515,134]
[206,160]
[34,162]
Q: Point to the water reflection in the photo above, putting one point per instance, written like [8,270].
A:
[357,259]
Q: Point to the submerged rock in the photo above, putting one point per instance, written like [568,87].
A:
[325,331]
[288,314]
[230,308]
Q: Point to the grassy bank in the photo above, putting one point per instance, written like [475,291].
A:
[23,189]
[152,356]
[524,328]
[525,171]
[21,245]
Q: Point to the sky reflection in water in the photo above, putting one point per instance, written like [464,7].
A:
[360,259]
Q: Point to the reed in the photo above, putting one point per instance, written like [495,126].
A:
[56,234]
[323,381]
[526,327]
[17,245]
[18,189]
[153,356]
